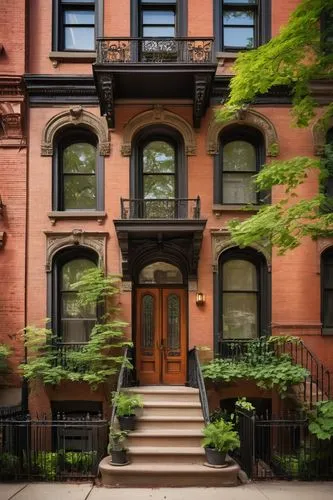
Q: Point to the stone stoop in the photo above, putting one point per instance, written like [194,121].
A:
[164,450]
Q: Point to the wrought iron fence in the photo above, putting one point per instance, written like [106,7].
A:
[282,447]
[63,353]
[154,50]
[195,379]
[318,385]
[162,208]
[51,450]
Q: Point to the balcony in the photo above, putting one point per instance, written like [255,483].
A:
[160,225]
[154,68]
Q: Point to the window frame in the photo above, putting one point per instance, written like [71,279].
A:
[264,291]
[65,139]
[62,258]
[238,133]
[263,24]
[151,134]
[181,8]
[326,256]
[57,25]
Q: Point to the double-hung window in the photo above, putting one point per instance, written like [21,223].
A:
[241,24]
[76,25]
[158,19]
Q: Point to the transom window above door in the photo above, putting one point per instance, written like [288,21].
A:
[160,273]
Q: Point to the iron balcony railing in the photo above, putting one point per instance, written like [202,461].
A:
[121,50]
[63,351]
[162,208]
[318,385]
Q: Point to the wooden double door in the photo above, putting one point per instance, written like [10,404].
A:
[161,336]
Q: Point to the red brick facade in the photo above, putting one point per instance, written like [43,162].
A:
[26,189]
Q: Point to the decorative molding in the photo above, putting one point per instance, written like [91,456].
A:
[158,115]
[323,244]
[2,239]
[58,241]
[46,90]
[202,84]
[193,286]
[73,117]
[126,286]
[221,241]
[247,117]
[11,112]
[106,84]
[78,215]
[319,132]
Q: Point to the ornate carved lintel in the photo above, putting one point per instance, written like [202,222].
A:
[75,116]
[158,115]
[245,117]
[11,113]
[201,92]
[221,241]
[57,241]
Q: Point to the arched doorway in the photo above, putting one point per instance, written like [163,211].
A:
[161,325]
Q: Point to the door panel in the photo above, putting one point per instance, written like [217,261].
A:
[161,342]
[148,321]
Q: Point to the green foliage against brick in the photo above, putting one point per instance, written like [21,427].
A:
[259,364]
[4,354]
[321,420]
[96,361]
[126,403]
[298,55]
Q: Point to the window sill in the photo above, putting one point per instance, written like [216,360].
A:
[327,332]
[74,57]
[219,209]
[77,215]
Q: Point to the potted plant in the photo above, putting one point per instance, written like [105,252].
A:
[126,404]
[116,447]
[219,438]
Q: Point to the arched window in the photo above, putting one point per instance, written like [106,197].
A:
[327,291]
[160,273]
[241,156]
[77,172]
[72,321]
[244,294]
[158,173]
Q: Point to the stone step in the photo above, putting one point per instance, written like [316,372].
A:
[166,393]
[171,423]
[171,408]
[152,474]
[167,455]
[165,437]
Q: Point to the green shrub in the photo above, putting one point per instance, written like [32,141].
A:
[221,436]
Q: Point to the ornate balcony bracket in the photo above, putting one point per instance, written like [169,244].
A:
[11,112]
[105,86]
[202,85]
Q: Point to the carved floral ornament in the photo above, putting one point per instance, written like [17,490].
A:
[55,242]
[11,131]
[75,116]
[319,133]
[247,117]
[221,241]
[158,116]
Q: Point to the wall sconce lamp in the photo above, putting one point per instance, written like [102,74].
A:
[200,299]
[2,207]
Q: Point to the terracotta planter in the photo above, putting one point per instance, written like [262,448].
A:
[215,457]
[127,422]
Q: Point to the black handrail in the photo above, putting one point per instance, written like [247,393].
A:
[318,385]
[124,378]
[195,379]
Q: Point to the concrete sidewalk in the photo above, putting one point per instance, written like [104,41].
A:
[252,491]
